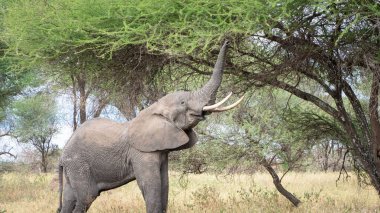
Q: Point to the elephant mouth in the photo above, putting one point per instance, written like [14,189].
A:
[198,116]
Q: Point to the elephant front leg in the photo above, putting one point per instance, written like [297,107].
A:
[164,183]
[149,181]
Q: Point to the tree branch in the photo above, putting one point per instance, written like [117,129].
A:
[196,70]
[307,97]
[343,168]
[358,109]
[276,181]
[100,108]
[7,152]
[7,133]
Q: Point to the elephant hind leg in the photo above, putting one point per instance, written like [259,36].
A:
[84,187]
[82,205]
[69,199]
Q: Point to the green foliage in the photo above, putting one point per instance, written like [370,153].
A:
[314,125]
[35,118]
[42,30]
[262,120]
[11,82]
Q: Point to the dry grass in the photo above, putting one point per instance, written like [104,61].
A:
[202,193]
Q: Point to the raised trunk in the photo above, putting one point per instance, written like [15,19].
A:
[209,90]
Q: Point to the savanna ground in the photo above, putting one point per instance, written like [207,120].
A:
[319,192]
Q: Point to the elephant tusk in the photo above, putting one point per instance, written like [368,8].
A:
[228,107]
[214,106]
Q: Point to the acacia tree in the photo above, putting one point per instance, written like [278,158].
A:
[12,83]
[74,52]
[35,124]
[334,47]
[324,52]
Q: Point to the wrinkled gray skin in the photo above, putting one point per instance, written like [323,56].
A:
[102,154]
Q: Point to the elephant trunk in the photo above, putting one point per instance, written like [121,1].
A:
[209,90]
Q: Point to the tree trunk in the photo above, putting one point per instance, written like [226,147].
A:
[325,163]
[44,167]
[102,104]
[82,98]
[277,182]
[44,162]
[75,111]
[374,117]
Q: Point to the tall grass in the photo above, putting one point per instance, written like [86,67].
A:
[319,192]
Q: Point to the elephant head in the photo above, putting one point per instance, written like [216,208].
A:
[167,124]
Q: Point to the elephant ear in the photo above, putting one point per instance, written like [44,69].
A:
[154,132]
[193,138]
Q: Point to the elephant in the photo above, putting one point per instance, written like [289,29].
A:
[102,154]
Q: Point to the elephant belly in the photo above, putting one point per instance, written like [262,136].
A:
[104,186]
[112,174]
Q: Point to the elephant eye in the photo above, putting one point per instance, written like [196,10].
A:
[182,102]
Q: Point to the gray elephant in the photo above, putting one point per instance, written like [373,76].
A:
[102,154]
